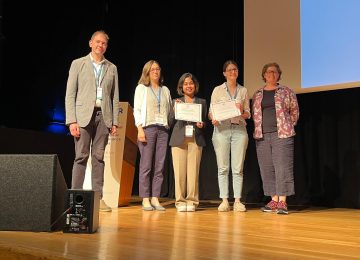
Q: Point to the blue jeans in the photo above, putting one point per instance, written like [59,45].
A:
[230,140]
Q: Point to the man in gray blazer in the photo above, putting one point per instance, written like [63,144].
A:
[92,106]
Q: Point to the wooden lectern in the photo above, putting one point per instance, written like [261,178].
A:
[120,159]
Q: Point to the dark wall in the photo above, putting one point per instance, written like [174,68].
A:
[1,44]
[42,38]
[22,141]
[328,148]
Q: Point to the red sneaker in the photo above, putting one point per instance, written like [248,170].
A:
[270,207]
[282,208]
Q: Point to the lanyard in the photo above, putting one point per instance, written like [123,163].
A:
[228,91]
[158,97]
[98,70]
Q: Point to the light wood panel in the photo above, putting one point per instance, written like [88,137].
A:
[120,159]
[131,233]
[127,179]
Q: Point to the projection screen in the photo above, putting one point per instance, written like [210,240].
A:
[316,43]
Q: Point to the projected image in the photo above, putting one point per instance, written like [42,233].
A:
[330,42]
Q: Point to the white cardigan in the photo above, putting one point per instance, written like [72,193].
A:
[140,104]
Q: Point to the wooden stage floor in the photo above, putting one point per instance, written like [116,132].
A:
[131,233]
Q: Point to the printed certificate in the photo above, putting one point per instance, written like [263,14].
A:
[224,110]
[188,112]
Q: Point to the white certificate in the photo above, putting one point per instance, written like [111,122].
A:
[188,112]
[224,110]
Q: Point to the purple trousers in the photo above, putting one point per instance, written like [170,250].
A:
[152,161]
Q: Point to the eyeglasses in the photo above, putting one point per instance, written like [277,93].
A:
[232,70]
[155,69]
[271,71]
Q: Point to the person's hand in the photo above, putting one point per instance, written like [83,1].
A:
[200,124]
[215,122]
[245,115]
[74,130]
[113,130]
[141,135]
[177,101]
[240,107]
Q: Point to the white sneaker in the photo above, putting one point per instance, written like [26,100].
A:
[224,206]
[103,207]
[238,206]
[190,208]
[182,208]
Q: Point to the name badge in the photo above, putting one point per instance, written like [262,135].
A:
[159,118]
[189,130]
[99,93]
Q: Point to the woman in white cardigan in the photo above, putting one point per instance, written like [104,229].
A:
[152,109]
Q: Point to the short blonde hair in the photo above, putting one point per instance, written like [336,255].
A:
[100,32]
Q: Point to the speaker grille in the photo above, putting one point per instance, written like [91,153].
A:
[32,190]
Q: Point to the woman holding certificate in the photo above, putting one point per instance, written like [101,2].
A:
[275,114]
[229,108]
[152,107]
[187,140]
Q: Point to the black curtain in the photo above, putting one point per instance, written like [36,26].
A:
[327,169]
[327,155]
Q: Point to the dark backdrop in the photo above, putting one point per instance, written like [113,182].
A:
[38,41]
[38,47]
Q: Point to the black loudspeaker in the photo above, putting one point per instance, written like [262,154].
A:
[82,211]
[32,192]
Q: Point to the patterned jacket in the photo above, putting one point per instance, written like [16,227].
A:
[287,112]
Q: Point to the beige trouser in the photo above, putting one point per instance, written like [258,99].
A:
[186,162]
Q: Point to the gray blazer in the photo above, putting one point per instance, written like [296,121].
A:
[80,95]
[178,132]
